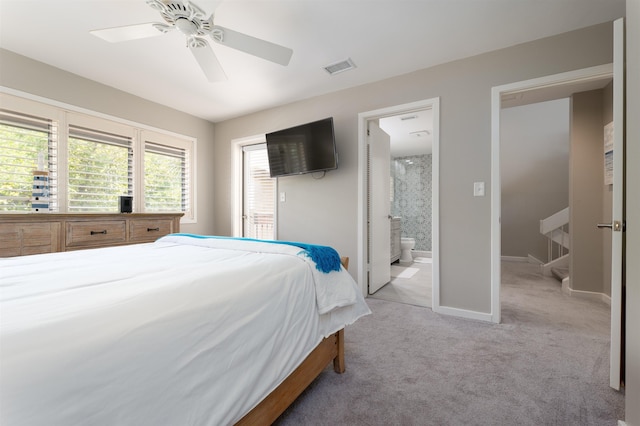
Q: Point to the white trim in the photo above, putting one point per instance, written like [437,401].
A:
[190,146]
[68,113]
[236,183]
[420,253]
[77,109]
[463,313]
[138,170]
[617,211]
[535,260]
[577,76]
[586,74]
[363,118]
[496,203]
[520,259]
[588,295]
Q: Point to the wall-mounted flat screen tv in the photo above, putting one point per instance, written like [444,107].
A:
[307,148]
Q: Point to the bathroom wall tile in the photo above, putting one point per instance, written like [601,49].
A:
[412,197]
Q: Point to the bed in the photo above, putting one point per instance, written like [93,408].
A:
[188,330]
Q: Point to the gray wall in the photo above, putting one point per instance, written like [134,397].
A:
[325,210]
[632,379]
[412,197]
[534,173]
[587,191]
[35,78]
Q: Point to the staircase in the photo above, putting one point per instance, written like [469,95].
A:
[556,228]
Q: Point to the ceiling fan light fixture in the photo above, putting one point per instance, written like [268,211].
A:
[186,26]
[192,22]
[339,67]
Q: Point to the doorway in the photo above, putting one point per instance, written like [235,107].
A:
[570,82]
[366,196]
[259,193]
[254,208]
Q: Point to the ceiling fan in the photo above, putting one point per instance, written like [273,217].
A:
[193,22]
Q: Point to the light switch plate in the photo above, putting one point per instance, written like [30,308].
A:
[478,189]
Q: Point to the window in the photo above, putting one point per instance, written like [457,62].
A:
[92,161]
[100,168]
[165,171]
[259,193]
[24,142]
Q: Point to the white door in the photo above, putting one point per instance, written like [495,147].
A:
[258,189]
[379,178]
[617,224]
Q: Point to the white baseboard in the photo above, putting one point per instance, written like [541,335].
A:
[534,260]
[561,262]
[514,259]
[527,259]
[421,253]
[463,313]
[592,295]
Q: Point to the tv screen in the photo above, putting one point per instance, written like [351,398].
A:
[302,149]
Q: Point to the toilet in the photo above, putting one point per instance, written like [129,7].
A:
[406,245]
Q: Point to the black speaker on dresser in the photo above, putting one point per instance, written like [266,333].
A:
[126,204]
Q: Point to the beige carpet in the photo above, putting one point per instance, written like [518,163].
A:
[546,364]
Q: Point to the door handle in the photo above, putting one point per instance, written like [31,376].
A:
[616,225]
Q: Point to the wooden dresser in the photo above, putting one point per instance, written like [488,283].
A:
[35,233]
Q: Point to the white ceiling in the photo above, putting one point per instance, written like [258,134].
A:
[410,134]
[384,38]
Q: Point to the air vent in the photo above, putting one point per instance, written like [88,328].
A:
[339,67]
[420,133]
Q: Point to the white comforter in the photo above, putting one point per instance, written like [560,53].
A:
[177,332]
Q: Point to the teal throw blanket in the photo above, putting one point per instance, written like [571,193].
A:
[326,258]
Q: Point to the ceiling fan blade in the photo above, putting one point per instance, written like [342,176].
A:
[208,62]
[251,45]
[129,32]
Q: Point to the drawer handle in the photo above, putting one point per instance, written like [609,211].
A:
[99,232]
[152,229]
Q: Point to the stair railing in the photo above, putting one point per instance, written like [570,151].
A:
[556,229]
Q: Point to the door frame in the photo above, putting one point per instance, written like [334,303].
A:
[379,229]
[571,77]
[237,184]
[363,118]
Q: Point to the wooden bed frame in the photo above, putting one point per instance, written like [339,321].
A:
[31,234]
[330,349]
[265,413]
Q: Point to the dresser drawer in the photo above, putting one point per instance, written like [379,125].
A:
[149,229]
[95,233]
[23,234]
[19,239]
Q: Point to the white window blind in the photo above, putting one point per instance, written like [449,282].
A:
[100,169]
[92,160]
[166,183]
[259,193]
[22,139]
